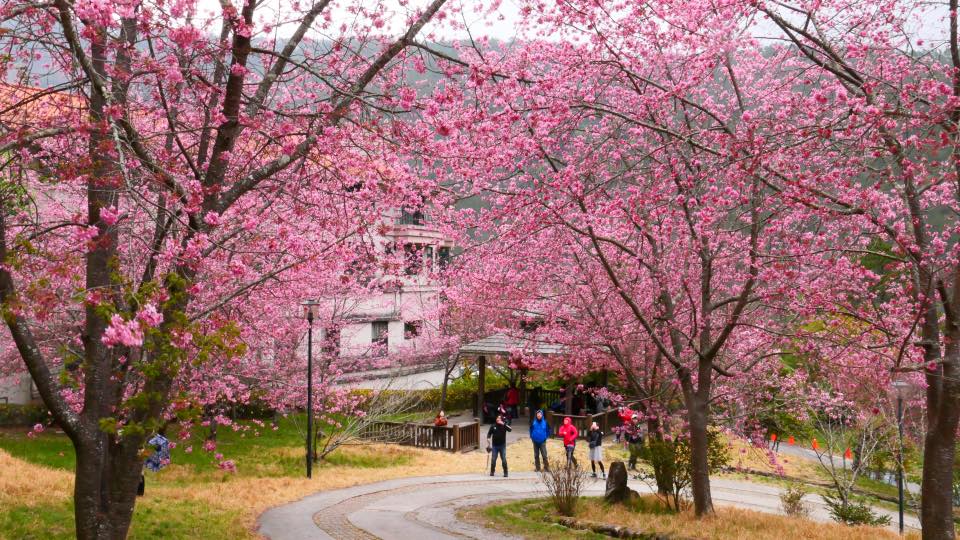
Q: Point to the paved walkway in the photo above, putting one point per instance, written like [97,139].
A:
[425,508]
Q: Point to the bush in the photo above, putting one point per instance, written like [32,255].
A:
[564,485]
[791,500]
[854,512]
[22,415]
[672,466]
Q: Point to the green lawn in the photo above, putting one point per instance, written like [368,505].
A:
[167,511]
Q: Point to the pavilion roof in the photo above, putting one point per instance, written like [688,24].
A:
[502,344]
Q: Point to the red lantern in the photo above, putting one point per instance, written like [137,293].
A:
[773,437]
[816,445]
[848,454]
[790,440]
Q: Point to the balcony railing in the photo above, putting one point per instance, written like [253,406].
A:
[412,218]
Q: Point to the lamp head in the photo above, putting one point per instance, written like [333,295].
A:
[310,309]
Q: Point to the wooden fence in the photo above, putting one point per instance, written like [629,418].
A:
[607,420]
[456,438]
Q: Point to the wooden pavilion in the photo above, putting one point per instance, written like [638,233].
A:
[502,345]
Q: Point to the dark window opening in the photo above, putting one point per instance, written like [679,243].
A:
[443,257]
[331,340]
[414,259]
[530,325]
[428,258]
[412,217]
[412,329]
[380,332]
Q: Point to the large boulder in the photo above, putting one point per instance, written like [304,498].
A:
[617,490]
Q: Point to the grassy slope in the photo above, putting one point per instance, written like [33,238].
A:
[192,497]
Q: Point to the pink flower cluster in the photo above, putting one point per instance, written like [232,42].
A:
[121,332]
[130,333]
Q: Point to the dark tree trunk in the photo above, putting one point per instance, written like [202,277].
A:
[936,510]
[105,488]
[939,449]
[943,415]
[699,458]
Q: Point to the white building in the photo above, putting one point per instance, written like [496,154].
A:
[405,310]
[17,389]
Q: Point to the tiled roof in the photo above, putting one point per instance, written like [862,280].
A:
[504,344]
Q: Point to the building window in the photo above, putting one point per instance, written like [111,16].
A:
[413,257]
[380,333]
[443,257]
[331,340]
[411,217]
[531,325]
[428,258]
[411,329]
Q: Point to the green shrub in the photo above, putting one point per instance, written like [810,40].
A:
[673,467]
[854,512]
[461,393]
[791,500]
[22,415]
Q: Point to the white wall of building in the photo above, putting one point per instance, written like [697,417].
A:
[413,300]
[16,389]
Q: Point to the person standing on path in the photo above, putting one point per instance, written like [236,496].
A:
[594,440]
[513,402]
[635,441]
[539,433]
[497,440]
[569,433]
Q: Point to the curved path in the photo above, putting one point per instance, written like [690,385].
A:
[425,508]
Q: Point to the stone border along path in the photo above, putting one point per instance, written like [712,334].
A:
[425,508]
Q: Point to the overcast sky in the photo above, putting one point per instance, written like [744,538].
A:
[499,19]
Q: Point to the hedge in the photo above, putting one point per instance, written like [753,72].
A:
[22,415]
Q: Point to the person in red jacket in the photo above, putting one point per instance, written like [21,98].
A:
[512,400]
[569,433]
[625,415]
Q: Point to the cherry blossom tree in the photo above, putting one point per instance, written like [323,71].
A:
[868,109]
[166,170]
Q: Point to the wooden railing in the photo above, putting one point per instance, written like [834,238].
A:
[456,438]
[607,420]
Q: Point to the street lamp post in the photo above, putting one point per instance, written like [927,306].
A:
[901,388]
[309,308]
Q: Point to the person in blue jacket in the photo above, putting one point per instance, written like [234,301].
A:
[539,433]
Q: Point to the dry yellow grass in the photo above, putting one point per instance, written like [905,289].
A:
[729,524]
[259,488]
[745,455]
[249,495]
[24,483]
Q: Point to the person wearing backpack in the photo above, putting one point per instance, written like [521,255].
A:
[539,433]
[594,441]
